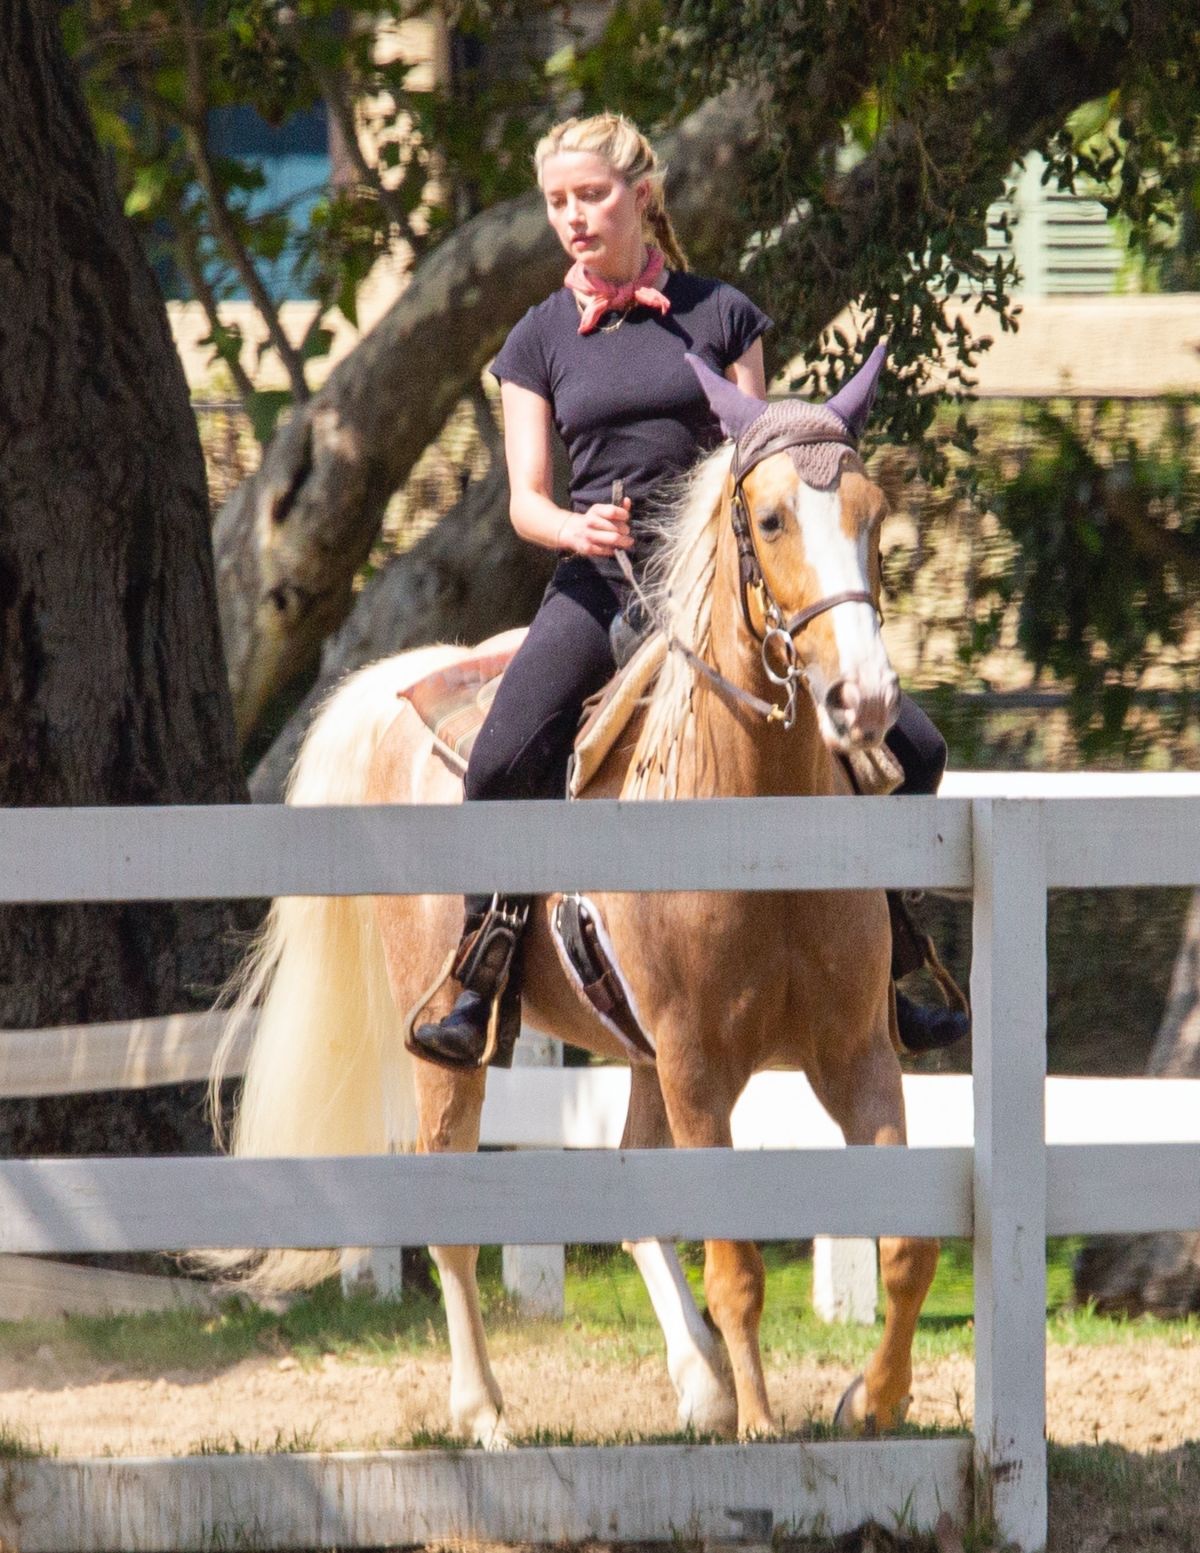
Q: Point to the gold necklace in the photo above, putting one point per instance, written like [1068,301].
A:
[612,328]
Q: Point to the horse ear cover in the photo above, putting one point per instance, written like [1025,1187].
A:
[852,402]
[734,409]
[737,410]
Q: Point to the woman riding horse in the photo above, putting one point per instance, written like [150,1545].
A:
[603,360]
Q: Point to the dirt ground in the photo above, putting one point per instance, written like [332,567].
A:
[1143,1398]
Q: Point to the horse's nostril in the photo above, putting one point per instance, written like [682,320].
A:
[842,696]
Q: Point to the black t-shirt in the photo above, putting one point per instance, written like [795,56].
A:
[626,404]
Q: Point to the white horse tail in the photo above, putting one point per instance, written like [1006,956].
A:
[325,1071]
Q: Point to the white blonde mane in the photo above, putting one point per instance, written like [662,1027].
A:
[679,585]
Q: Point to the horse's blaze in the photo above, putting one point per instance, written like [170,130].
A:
[831,546]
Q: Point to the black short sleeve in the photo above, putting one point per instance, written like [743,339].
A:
[522,358]
[743,323]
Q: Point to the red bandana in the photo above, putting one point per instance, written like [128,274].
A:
[601,295]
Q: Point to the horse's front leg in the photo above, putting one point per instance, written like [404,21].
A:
[448,1108]
[706,1399]
[734,1279]
[867,1102]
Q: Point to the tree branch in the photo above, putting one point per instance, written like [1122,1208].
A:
[369,176]
[193,269]
[988,121]
[196,140]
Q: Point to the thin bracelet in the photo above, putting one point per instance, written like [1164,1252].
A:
[561,526]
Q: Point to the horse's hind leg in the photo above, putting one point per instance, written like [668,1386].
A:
[449,1107]
[706,1400]
[868,1105]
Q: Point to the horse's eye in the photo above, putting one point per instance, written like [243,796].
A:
[770,524]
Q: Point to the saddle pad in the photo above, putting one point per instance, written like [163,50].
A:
[588,958]
[609,714]
[453,702]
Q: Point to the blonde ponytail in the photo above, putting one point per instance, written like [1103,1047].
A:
[619,142]
[660,229]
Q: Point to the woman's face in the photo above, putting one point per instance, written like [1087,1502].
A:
[595,213]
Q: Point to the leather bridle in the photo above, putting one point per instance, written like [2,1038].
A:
[751,577]
[752,580]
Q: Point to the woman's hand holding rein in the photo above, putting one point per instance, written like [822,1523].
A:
[600,531]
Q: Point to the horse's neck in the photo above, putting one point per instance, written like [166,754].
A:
[734,752]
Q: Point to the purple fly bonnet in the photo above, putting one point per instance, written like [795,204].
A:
[817,437]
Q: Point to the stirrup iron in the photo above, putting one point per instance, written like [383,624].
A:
[485,965]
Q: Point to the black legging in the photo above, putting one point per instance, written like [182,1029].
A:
[525,743]
[919,748]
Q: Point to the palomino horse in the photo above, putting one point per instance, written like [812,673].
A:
[769,578]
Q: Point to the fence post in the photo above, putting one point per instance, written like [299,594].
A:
[846,1279]
[1008,1001]
[535,1275]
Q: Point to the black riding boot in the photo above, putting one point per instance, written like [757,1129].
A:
[485,1021]
[922,1029]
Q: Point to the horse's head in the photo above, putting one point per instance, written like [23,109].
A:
[806,520]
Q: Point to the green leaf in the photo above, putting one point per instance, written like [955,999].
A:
[148,185]
[318,343]
[264,408]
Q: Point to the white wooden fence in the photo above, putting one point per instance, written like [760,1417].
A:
[539,1104]
[1009,1191]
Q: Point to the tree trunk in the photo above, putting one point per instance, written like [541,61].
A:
[1159,1273]
[112,683]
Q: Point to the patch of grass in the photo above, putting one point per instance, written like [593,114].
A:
[284,1442]
[432,1440]
[320,1323]
[608,1314]
[16,1445]
[1102,1496]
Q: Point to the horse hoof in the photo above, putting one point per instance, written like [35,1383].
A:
[707,1403]
[855,1418]
[486,1429]
[493,1436]
[852,1416]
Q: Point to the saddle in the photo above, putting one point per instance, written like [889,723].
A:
[453,702]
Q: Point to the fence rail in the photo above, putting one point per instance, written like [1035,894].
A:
[1009,1190]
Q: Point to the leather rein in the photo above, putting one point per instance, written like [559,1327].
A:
[752,580]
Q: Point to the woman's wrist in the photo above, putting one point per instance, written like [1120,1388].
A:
[562,528]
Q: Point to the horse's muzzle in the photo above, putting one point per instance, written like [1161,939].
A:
[860,714]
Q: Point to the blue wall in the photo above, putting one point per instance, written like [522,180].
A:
[294,160]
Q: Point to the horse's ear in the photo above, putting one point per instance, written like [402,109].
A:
[852,402]
[734,409]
